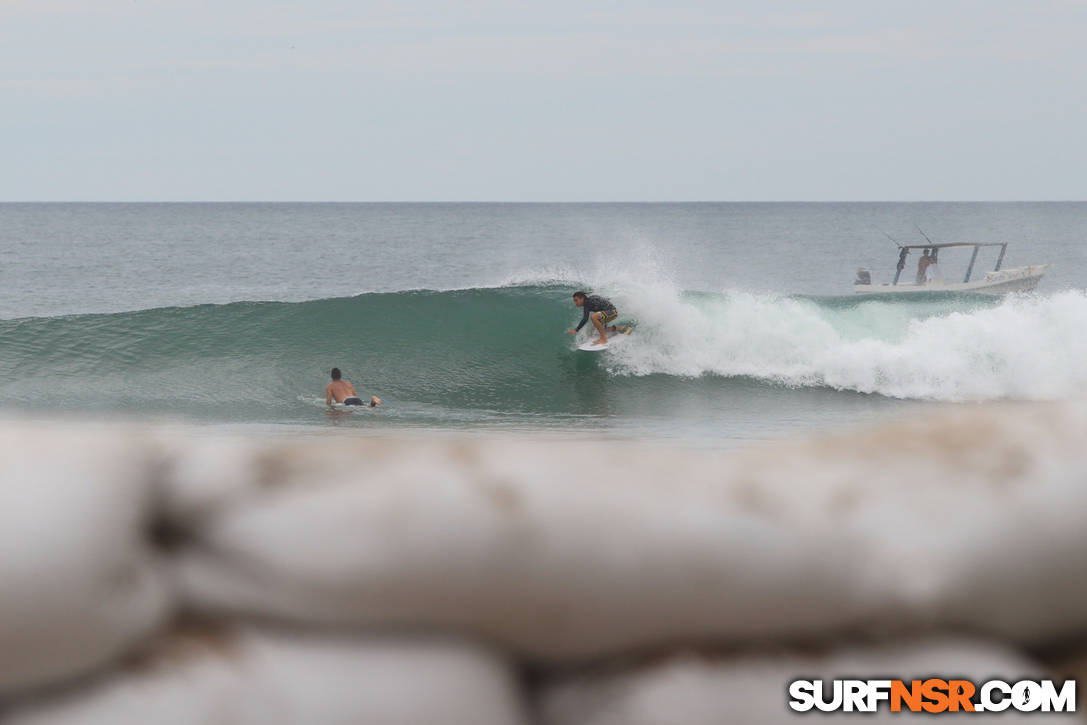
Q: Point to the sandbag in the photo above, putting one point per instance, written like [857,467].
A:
[508,540]
[78,582]
[252,677]
[753,688]
[561,550]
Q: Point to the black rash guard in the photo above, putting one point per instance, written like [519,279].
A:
[593,303]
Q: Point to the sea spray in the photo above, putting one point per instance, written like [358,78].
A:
[1021,347]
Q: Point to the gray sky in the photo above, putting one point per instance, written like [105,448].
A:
[564,100]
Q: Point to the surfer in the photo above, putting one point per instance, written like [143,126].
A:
[342,391]
[598,309]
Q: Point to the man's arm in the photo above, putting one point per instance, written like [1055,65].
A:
[584,318]
[328,394]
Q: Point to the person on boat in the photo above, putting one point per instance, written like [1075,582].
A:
[933,273]
[922,267]
[598,309]
[342,391]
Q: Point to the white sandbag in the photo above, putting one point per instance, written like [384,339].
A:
[512,540]
[268,678]
[753,688]
[78,583]
[967,519]
[975,519]
[205,474]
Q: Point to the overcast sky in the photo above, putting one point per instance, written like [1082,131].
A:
[562,100]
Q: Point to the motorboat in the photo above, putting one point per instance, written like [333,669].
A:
[930,277]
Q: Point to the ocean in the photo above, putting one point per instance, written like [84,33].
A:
[230,315]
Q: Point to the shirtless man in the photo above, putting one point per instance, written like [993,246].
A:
[598,309]
[922,267]
[343,391]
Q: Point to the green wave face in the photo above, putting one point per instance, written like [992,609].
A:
[501,350]
[501,356]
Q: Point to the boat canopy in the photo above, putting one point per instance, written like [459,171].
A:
[904,249]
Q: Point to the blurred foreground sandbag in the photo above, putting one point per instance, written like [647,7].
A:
[509,539]
[975,519]
[753,688]
[78,584]
[268,678]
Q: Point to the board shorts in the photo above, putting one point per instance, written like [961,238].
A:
[608,316]
[353,401]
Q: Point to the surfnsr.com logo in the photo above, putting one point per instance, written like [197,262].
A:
[932,695]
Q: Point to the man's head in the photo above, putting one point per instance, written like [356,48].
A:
[579,298]
[926,253]
[335,373]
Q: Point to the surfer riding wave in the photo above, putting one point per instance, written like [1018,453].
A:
[598,309]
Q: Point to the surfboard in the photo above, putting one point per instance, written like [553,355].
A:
[350,408]
[621,335]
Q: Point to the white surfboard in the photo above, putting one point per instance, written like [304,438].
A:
[351,408]
[621,335]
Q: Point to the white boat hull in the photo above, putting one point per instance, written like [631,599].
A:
[1016,279]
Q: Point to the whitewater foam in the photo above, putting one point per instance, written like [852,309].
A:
[1024,347]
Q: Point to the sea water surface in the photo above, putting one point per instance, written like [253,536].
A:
[455,314]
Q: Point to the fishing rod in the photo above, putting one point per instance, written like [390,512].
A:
[903,251]
[893,240]
[935,249]
[924,235]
